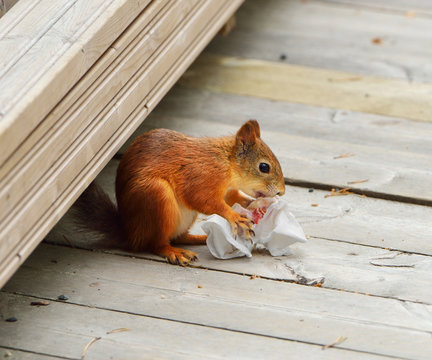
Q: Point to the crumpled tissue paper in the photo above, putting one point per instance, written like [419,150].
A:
[275,228]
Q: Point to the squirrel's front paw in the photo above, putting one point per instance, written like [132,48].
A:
[243,225]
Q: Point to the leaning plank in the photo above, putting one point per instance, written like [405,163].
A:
[310,86]
[107,134]
[325,35]
[115,67]
[22,245]
[261,307]
[320,148]
[49,69]
[28,22]
[147,337]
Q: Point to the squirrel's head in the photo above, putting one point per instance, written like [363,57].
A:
[257,172]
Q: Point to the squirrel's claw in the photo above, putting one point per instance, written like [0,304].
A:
[177,256]
[245,224]
[249,234]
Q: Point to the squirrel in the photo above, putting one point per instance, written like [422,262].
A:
[165,178]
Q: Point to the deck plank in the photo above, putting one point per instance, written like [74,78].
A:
[334,36]
[354,219]
[261,307]
[417,7]
[310,86]
[342,242]
[148,337]
[392,154]
[336,265]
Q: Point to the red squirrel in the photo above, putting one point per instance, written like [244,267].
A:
[165,178]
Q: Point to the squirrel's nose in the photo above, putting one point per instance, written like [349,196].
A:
[280,193]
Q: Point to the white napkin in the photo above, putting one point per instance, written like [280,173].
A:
[276,230]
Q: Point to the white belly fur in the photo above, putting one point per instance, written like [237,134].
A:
[187,217]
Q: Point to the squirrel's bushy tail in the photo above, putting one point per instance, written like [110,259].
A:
[95,213]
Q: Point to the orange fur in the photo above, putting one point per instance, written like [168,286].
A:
[166,177]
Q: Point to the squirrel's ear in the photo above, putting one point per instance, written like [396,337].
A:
[247,134]
[256,127]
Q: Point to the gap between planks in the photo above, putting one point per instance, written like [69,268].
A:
[30,355]
[358,191]
[163,327]
[184,322]
[23,294]
[313,283]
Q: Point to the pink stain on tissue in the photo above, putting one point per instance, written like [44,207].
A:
[258,214]
[259,207]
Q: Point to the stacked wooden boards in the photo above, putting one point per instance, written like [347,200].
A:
[77,78]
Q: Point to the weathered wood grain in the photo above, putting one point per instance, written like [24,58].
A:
[334,36]
[80,99]
[392,154]
[259,307]
[17,13]
[335,264]
[33,25]
[410,8]
[210,29]
[389,133]
[148,337]
[310,86]
[48,70]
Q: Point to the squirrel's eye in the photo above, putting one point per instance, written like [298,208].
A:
[264,168]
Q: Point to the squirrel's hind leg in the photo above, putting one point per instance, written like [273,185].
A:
[151,219]
[171,223]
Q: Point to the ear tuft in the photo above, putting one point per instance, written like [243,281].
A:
[256,127]
[247,135]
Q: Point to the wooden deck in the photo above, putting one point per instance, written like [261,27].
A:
[342,91]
